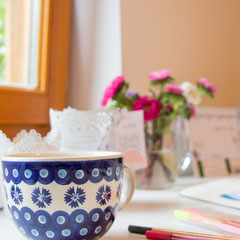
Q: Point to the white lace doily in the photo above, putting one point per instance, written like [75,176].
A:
[31,141]
[80,130]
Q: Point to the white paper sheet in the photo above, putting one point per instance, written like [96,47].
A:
[225,191]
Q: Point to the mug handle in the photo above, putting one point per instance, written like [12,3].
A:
[128,187]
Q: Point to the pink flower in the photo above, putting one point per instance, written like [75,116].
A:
[160,75]
[173,88]
[204,82]
[112,89]
[151,107]
[192,111]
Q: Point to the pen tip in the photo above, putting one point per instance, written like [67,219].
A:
[138,229]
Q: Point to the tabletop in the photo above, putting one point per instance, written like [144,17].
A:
[147,208]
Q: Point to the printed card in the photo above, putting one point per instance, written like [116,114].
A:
[216,142]
[126,134]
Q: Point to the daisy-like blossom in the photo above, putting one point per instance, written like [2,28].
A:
[173,88]
[131,94]
[104,194]
[160,75]
[41,197]
[112,89]
[205,83]
[16,194]
[192,111]
[150,107]
[191,93]
[73,198]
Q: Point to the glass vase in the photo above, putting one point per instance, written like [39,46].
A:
[168,157]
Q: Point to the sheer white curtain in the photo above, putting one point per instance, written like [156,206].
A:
[95,51]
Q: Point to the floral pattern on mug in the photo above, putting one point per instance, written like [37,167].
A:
[73,198]
[16,194]
[57,198]
[103,194]
[41,197]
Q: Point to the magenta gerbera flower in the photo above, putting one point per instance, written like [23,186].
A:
[151,107]
[173,88]
[160,75]
[112,89]
[205,83]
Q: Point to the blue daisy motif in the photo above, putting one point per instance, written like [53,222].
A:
[103,194]
[16,194]
[73,198]
[41,197]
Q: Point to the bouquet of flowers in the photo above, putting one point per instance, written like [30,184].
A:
[165,102]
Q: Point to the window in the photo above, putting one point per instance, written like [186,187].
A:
[25,104]
[21,35]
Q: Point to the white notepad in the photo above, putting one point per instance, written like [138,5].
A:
[225,191]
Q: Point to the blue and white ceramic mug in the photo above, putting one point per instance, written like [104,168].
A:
[65,195]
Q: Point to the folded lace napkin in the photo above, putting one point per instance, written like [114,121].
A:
[24,142]
[80,130]
[31,141]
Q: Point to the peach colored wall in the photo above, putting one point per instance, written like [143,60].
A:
[191,37]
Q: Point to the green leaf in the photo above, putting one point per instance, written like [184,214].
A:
[153,94]
[205,91]
[175,98]
[161,82]
[185,112]
[121,99]
[132,99]
[169,164]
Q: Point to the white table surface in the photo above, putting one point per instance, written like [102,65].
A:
[147,208]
